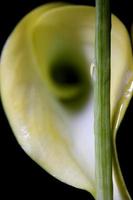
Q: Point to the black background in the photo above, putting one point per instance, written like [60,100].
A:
[20,177]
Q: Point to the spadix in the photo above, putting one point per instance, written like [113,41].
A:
[47,77]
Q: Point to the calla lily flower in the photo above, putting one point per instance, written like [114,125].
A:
[47,78]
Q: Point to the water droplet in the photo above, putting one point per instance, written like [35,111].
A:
[93,71]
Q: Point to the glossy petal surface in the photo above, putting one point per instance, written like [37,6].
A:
[40,110]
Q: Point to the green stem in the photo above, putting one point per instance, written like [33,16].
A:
[103,138]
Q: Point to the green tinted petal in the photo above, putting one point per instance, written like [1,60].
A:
[39,105]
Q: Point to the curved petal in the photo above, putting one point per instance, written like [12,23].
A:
[39,109]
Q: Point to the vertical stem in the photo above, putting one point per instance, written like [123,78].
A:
[103,137]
